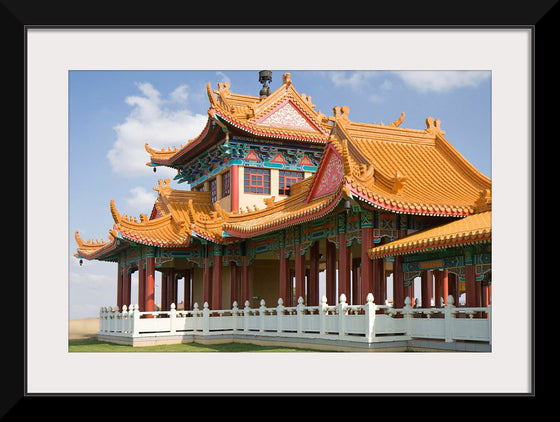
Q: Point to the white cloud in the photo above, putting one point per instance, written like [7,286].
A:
[156,121]
[354,80]
[442,80]
[141,201]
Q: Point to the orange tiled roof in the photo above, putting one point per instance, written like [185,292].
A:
[408,170]
[255,116]
[476,228]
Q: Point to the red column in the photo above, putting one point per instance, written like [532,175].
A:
[367,264]
[343,266]
[313,292]
[217,283]
[300,272]
[172,288]
[378,269]
[398,283]
[438,287]
[234,283]
[444,285]
[150,283]
[119,287]
[356,286]
[472,296]
[291,278]
[409,292]
[141,285]
[234,187]
[284,274]
[187,291]
[207,282]
[331,273]
[426,288]
[245,281]
[127,287]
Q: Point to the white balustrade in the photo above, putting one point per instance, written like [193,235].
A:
[366,323]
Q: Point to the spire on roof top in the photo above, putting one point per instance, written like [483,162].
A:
[265,76]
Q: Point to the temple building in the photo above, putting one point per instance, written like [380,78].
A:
[280,192]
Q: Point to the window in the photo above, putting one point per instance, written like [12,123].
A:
[214,190]
[287,179]
[226,184]
[257,180]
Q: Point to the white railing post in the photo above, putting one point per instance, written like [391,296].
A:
[195,316]
[246,316]
[101,320]
[262,313]
[172,319]
[323,315]
[279,316]
[299,308]
[407,315]
[234,311]
[449,313]
[135,329]
[122,323]
[342,315]
[369,309]
[205,319]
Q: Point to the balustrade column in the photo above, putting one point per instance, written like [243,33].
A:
[331,273]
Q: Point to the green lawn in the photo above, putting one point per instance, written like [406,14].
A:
[95,346]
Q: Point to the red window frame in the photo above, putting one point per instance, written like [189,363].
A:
[226,183]
[288,178]
[214,190]
[256,180]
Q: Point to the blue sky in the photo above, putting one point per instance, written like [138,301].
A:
[112,114]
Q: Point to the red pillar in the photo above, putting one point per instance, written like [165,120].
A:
[126,287]
[331,273]
[187,291]
[150,283]
[438,287]
[356,286]
[343,266]
[444,285]
[234,283]
[164,291]
[207,282]
[300,272]
[472,295]
[217,283]
[313,291]
[379,281]
[426,288]
[120,287]
[245,281]
[141,285]
[398,283]
[234,187]
[367,264]
[284,274]
[172,288]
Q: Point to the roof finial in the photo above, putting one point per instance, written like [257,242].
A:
[265,76]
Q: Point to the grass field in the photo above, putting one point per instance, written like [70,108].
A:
[95,346]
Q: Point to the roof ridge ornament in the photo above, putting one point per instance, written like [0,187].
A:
[434,126]
[340,115]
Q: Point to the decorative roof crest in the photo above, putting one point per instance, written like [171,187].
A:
[434,126]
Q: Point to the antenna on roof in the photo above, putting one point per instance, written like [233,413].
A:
[265,76]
